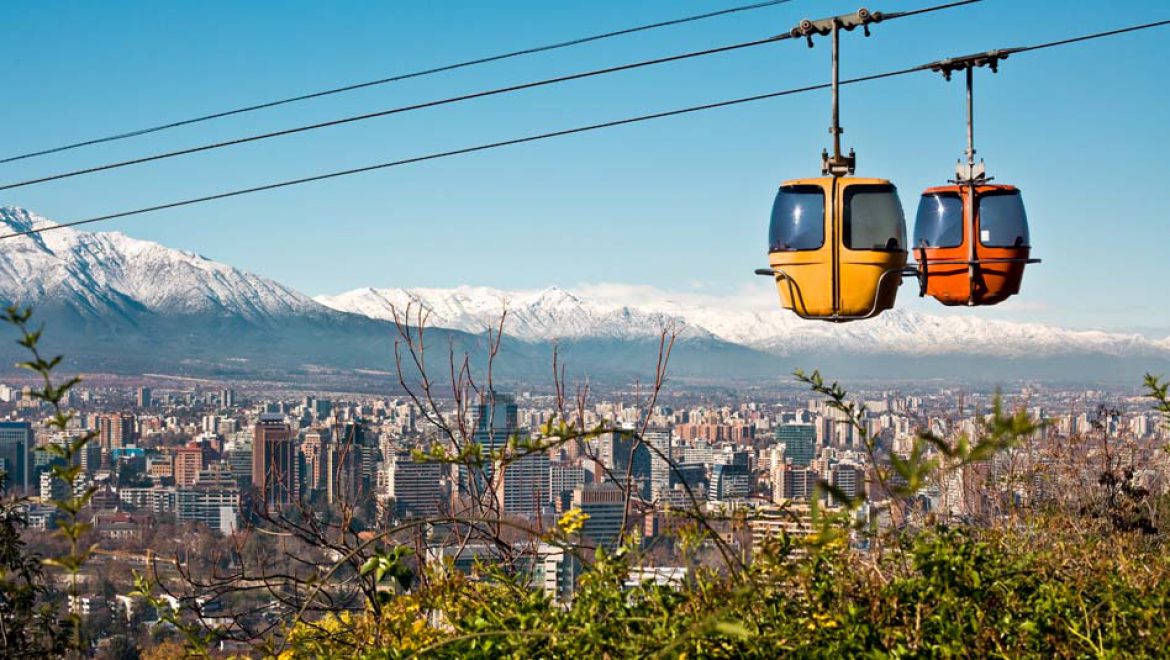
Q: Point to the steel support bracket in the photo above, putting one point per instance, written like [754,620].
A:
[989,59]
[862,18]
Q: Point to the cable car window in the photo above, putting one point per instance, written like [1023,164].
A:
[798,219]
[1002,220]
[873,218]
[940,221]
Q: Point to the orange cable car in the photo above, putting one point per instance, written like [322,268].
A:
[837,243]
[971,238]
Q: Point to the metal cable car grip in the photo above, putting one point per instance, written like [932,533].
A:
[838,164]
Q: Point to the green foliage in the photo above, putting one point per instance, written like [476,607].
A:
[67,469]
[963,593]
[1159,391]
[29,623]
[198,638]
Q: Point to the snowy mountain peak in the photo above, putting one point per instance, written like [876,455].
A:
[543,315]
[617,312]
[98,273]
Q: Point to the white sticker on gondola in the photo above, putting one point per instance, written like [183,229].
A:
[985,235]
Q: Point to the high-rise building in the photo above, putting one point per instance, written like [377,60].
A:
[791,482]
[214,500]
[115,430]
[605,506]
[274,461]
[847,478]
[349,463]
[729,481]
[315,448]
[496,420]
[227,398]
[660,462]
[800,442]
[415,486]
[238,453]
[621,453]
[563,479]
[188,463]
[144,397]
[522,485]
[16,442]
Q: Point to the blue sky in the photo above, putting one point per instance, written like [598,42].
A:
[679,204]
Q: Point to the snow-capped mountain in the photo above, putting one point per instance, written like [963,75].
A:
[545,315]
[558,314]
[115,303]
[98,273]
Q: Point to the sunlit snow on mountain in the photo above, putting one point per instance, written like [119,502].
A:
[116,303]
[621,311]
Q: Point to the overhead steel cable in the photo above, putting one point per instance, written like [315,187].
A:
[396,78]
[1088,37]
[544,136]
[446,101]
[391,111]
[926,10]
[455,152]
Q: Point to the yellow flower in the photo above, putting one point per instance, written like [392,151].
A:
[572,521]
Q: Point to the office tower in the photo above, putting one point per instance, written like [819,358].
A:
[351,463]
[848,478]
[238,452]
[214,499]
[144,397]
[227,398]
[730,480]
[415,486]
[496,421]
[115,430]
[315,448]
[522,487]
[800,442]
[605,506]
[273,461]
[621,453]
[791,482]
[564,478]
[188,463]
[16,442]
[660,462]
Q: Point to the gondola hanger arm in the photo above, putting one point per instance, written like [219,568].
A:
[809,28]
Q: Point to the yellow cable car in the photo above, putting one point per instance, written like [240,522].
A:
[837,246]
[837,243]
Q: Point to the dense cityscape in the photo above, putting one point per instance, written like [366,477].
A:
[175,467]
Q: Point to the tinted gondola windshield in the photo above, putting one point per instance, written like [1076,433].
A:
[1002,220]
[873,218]
[940,221]
[798,219]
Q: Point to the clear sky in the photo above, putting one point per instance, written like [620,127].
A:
[679,204]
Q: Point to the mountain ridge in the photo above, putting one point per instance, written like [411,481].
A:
[555,313]
[123,305]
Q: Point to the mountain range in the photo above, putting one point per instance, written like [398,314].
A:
[118,304]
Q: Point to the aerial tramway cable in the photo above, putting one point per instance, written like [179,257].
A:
[446,101]
[543,136]
[396,78]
